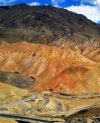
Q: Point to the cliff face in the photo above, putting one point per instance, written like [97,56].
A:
[44,24]
[69,70]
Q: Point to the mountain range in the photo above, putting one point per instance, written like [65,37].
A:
[49,65]
[58,48]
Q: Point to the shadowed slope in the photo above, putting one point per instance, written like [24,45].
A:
[16,79]
[43,24]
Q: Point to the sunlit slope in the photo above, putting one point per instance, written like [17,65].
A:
[60,69]
[10,93]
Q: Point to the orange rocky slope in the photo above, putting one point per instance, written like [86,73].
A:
[60,69]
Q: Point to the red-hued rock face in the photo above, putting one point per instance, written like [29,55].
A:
[59,69]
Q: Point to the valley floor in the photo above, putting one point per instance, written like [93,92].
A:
[56,107]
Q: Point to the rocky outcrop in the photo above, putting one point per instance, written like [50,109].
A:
[16,79]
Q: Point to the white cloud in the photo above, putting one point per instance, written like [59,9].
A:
[98,4]
[34,4]
[90,1]
[93,2]
[91,12]
[56,2]
[87,1]
[7,1]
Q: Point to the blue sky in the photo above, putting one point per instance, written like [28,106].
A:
[61,3]
[89,8]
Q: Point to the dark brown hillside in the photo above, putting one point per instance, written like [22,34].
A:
[35,23]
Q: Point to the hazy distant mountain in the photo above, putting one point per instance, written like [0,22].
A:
[43,24]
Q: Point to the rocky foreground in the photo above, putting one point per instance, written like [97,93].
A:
[55,107]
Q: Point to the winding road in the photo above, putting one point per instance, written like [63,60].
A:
[27,119]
